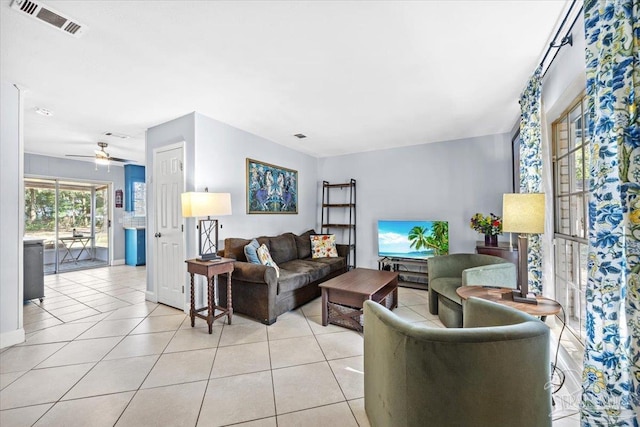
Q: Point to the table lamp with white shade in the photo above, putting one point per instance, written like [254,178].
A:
[523,213]
[197,204]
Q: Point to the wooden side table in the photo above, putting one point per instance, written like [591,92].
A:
[504,250]
[545,307]
[210,269]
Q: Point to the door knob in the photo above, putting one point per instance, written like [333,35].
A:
[158,235]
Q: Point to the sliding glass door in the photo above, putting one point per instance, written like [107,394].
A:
[73,219]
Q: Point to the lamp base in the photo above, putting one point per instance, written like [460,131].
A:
[516,296]
[208,257]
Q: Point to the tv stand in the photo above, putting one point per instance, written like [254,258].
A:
[412,272]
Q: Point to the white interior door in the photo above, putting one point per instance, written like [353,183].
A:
[169,243]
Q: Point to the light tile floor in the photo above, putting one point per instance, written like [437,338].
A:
[98,354]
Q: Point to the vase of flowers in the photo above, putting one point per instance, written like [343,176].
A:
[490,225]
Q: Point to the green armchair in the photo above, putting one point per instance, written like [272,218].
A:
[448,272]
[493,372]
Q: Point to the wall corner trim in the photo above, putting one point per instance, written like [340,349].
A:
[11,338]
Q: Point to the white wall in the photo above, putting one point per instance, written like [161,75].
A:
[447,181]
[220,164]
[54,167]
[563,82]
[11,213]
[215,157]
[565,79]
[175,131]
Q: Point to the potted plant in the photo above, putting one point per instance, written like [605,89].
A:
[489,225]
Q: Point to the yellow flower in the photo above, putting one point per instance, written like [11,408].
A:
[634,216]
[595,377]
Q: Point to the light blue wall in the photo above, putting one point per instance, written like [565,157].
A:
[215,157]
[11,212]
[179,130]
[54,167]
[565,79]
[220,164]
[446,181]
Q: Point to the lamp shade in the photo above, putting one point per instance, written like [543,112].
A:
[196,204]
[523,213]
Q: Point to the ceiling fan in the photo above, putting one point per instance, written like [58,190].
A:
[101,157]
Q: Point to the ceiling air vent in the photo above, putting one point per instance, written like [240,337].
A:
[46,14]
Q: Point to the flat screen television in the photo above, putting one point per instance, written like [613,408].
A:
[412,239]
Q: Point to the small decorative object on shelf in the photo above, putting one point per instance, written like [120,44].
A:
[490,225]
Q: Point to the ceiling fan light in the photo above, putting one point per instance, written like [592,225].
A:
[102,161]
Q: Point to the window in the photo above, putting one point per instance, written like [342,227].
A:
[571,197]
[73,220]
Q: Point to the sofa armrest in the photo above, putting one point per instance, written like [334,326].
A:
[254,273]
[498,275]
[343,250]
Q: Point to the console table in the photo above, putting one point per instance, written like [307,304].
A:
[210,269]
[504,250]
[412,272]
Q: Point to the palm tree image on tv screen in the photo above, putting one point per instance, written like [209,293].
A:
[412,239]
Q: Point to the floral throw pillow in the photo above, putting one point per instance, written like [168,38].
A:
[265,258]
[323,246]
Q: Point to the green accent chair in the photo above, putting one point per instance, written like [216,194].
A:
[492,372]
[448,272]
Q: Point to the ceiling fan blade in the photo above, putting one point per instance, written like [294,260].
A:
[117,159]
[77,155]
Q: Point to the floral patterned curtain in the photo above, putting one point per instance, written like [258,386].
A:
[610,393]
[531,166]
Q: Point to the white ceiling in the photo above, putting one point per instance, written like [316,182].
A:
[351,75]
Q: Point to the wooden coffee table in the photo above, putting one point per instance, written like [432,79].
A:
[545,307]
[344,295]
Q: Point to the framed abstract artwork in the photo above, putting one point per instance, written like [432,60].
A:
[271,189]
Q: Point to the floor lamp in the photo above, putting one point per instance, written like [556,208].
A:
[200,204]
[523,213]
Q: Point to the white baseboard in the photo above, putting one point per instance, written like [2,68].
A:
[11,338]
[151,296]
[118,262]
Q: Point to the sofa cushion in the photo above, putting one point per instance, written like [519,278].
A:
[334,264]
[303,242]
[447,286]
[291,280]
[265,258]
[323,246]
[283,248]
[315,270]
[234,248]
[251,252]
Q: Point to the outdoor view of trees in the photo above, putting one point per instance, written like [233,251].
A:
[74,210]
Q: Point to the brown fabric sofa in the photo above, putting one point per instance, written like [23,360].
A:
[255,289]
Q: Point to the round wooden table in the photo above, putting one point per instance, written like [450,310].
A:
[545,307]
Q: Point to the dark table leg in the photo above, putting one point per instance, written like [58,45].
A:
[210,303]
[325,309]
[229,302]
[192,312]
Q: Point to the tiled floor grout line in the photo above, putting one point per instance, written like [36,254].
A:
[135,392]
[273,383]
[213,362]
[273,334]
[91,369]
[66,295]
